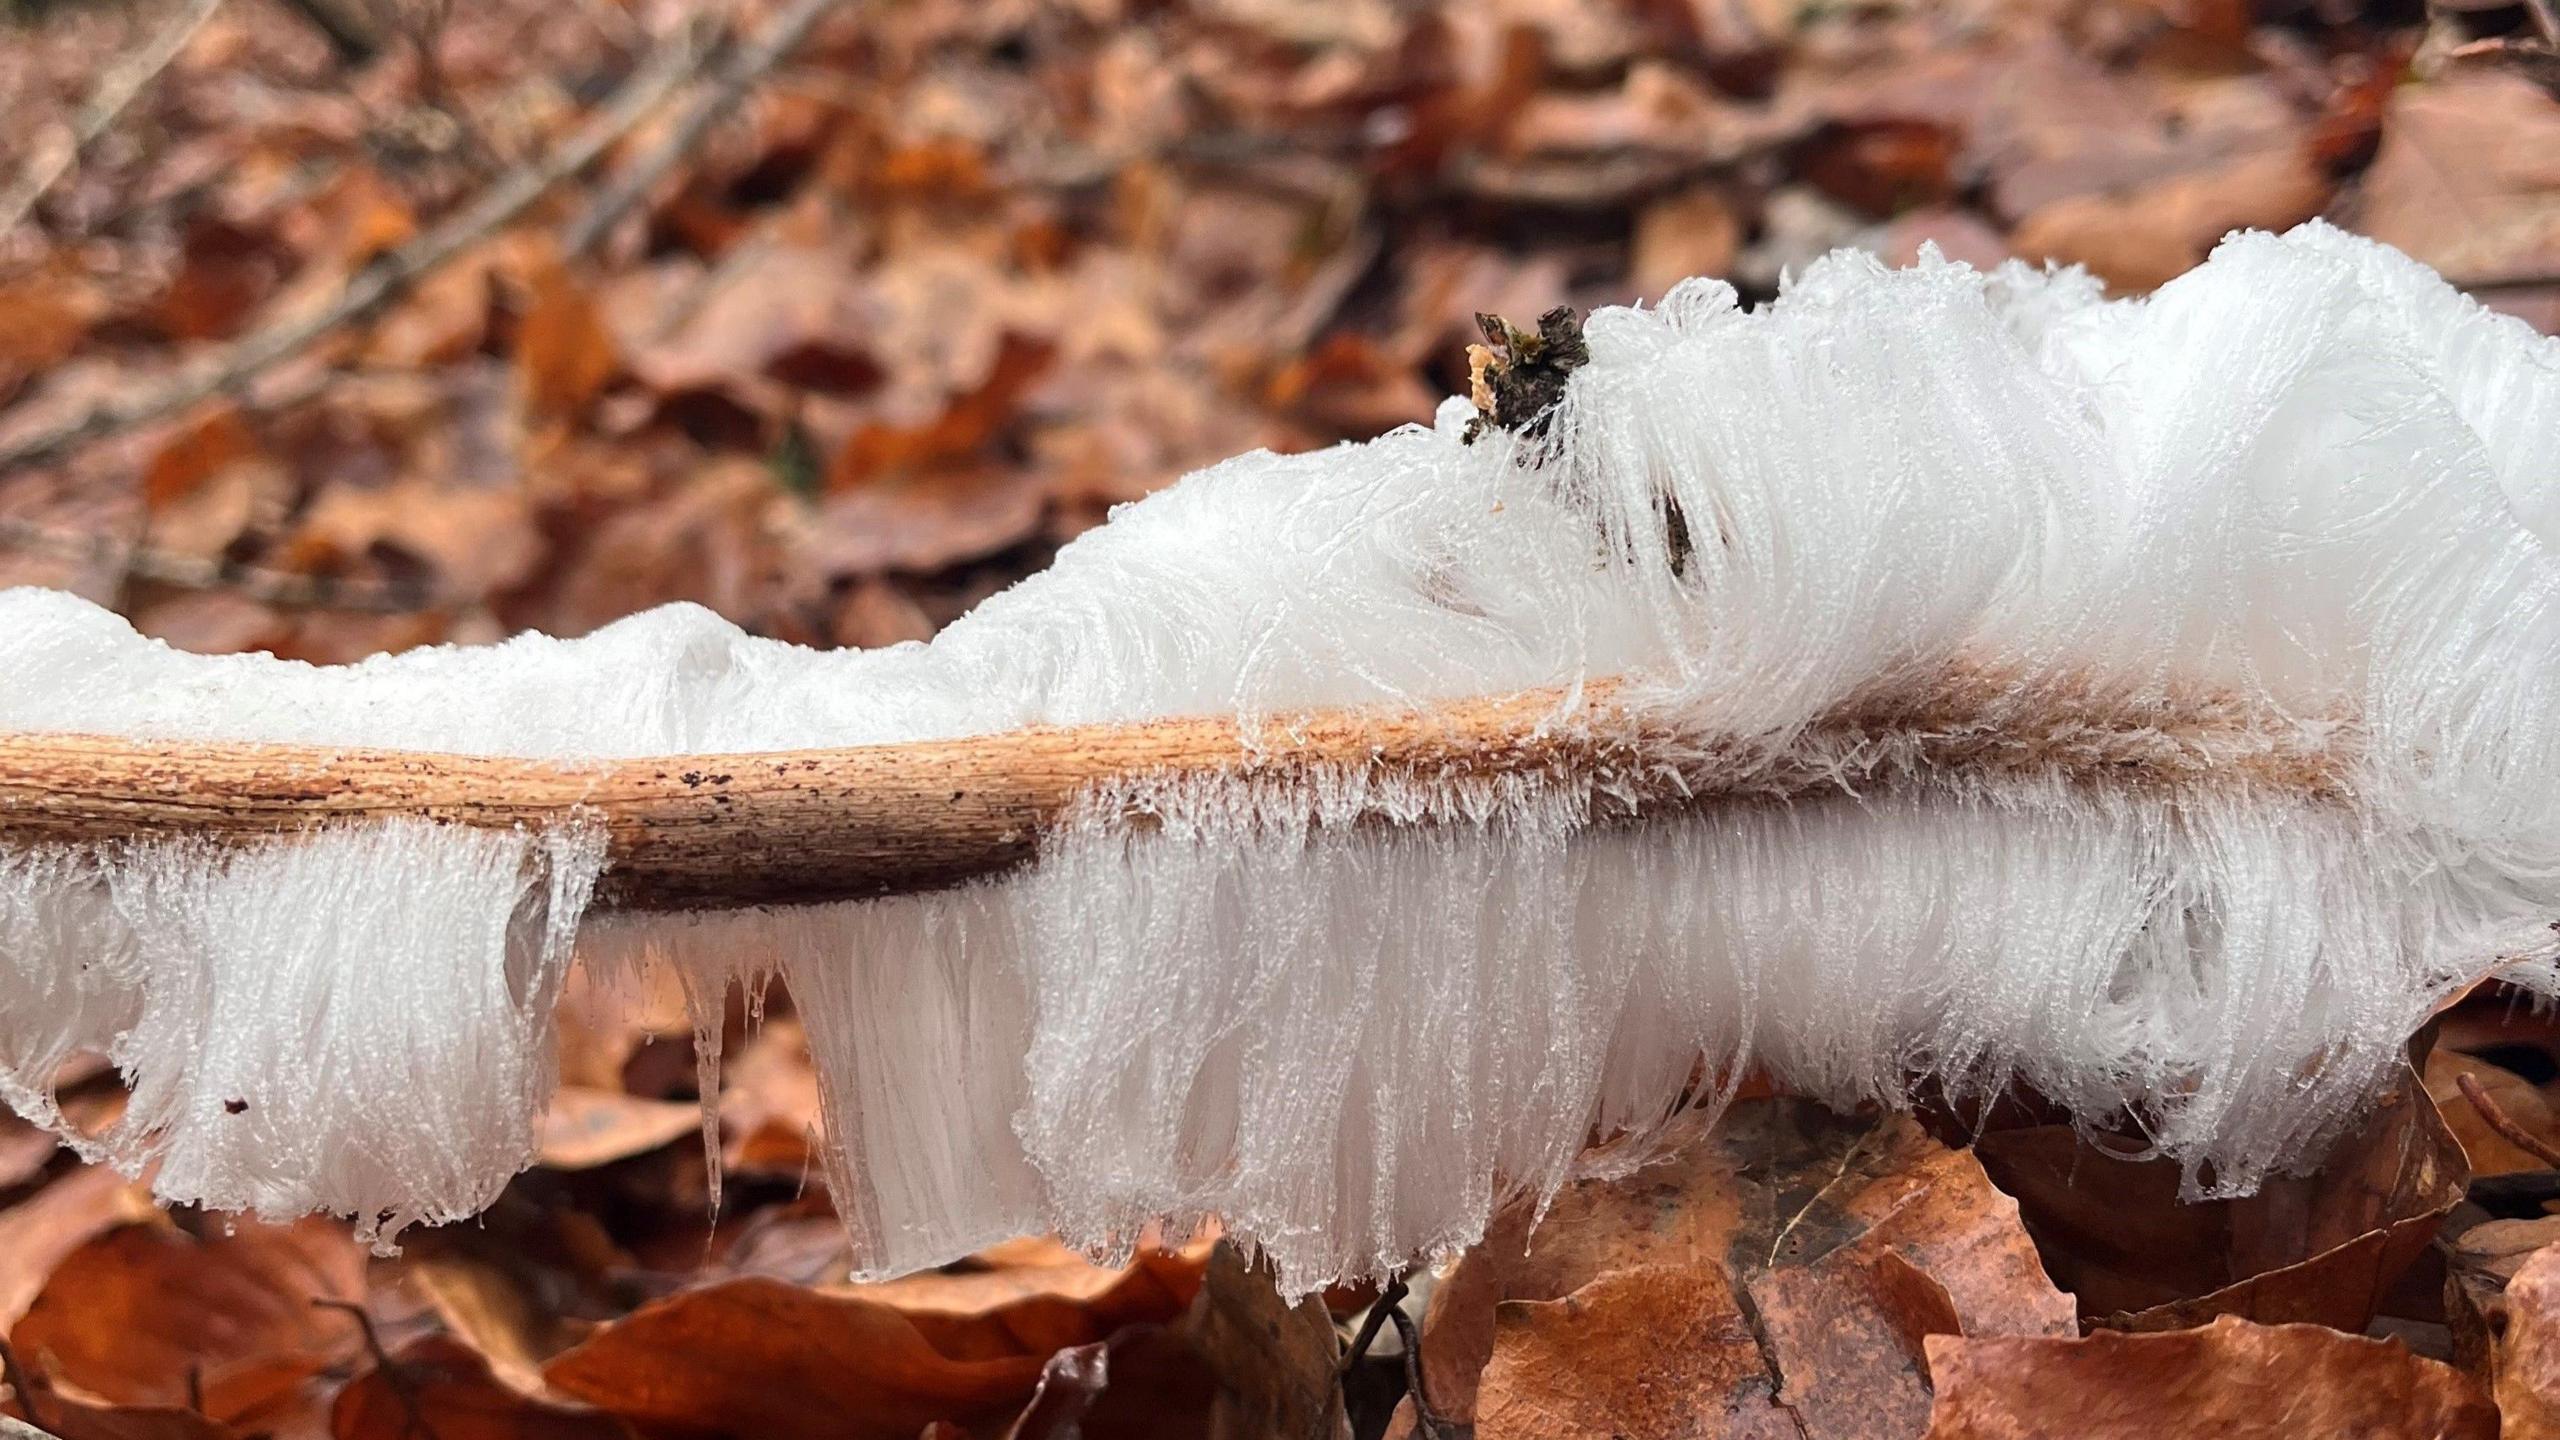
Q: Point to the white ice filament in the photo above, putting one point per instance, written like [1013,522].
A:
[2308,485]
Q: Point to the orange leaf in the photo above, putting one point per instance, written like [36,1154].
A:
[2231,1380]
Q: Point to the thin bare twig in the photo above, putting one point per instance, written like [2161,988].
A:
[1427,1422]
[115,90]
[2500,1121]
[2545,19]
[388,1368]
[390,274]
[284,589]
[17,1379]
[731,79]
[1391,1298]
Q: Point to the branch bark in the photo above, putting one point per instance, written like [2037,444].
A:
[723,831]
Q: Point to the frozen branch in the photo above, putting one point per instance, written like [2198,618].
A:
[722,831]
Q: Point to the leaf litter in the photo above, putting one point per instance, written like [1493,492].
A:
[955,280]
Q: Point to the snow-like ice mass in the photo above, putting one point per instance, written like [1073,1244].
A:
[2308,483]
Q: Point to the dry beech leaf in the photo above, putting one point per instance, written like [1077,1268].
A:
[69,1417]
[2231,1380]
[491,1297]
[783,316]
[38,1232]
[1801,1258]
[1238,1365]
[2503,1330]
[564,354]
[1042,1297]
[2525,1367]
[956,438]
[440,1387]
[2468,178]
[585,1127]
[2142,238]
[2320,1248]
[1694,232]
[758,1357]
[1654,1351]
[196,452]
[769,1101]
[132,1315]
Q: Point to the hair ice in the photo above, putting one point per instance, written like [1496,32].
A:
[2308,485]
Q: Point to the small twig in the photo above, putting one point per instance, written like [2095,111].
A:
[1427,1422]
[283,589]
[115,90]
[16,1376]
[2545,19]
[728,85]
[2508,1130]
[391,1371]
[390,274]
[1388,1299]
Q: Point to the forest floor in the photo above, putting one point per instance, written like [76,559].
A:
[947,281]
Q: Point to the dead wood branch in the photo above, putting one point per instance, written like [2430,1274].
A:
[719,831]
[389,275]
[729,82]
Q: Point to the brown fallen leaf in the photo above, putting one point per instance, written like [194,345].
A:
[147,1314]
[71,1417]
[585,1127]
[564,356]
[2525,1368]
[1043,1297]
[1238,1365]
[2231,1380]
[437,1386]
[492,1297]
[2483,1257]
[1652,1351]
[1695,232]
[2144,237]
[37,1233]
[1836,1245]
[2321,1248]
[756,1357]
[2468,178]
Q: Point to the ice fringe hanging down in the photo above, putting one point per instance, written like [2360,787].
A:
[2306,491]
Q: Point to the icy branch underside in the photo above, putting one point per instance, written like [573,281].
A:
[723,831]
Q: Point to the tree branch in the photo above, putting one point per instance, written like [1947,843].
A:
[721,831]
[730,81]
[390,274]
[115,90]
